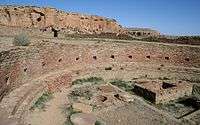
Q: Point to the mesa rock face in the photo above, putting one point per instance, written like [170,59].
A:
[43,18]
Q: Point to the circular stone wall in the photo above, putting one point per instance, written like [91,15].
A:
[25,72]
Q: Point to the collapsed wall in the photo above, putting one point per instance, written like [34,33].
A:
[45,18]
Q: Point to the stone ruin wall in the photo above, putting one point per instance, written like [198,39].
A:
[144,33]
[21,65]
[173,94]
[44,18]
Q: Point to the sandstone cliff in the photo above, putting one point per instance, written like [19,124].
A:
[47,18]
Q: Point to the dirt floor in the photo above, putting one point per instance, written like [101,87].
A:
[52,114]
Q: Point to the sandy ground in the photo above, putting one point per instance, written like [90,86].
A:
[135,114]
[53,114]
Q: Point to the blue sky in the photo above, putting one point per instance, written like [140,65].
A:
[174,17]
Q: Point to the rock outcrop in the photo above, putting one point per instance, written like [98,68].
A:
[48,18]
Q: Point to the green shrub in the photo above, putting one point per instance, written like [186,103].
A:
[40,103]
[124,85]
[21,40]
[95,80]
[77,92]
[68,122]
[98,123]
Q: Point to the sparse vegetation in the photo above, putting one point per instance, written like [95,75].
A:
[124,85]
[40,103]
[94,80]
[21,40]
[77,92]
[68,122]
[98,123]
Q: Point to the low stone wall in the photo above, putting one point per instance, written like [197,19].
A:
[145,93]
[163,92]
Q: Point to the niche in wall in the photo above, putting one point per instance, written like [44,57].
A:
[43,63]
[94,57]
[130,57]
[77,58]
[148,57]
[39,19]
[167,58]
[60,60]
[25,69]
[112,56]
[187,59]
[7,80]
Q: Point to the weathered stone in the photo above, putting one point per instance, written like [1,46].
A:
[82,107]
[162,92]
[107,89]
[83,119]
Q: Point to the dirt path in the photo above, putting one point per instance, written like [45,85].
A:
[53,114]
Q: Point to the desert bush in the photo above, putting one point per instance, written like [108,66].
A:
[40,103]
[98,123]
[77,93]
[94,80]
[124,85]
[21,40]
